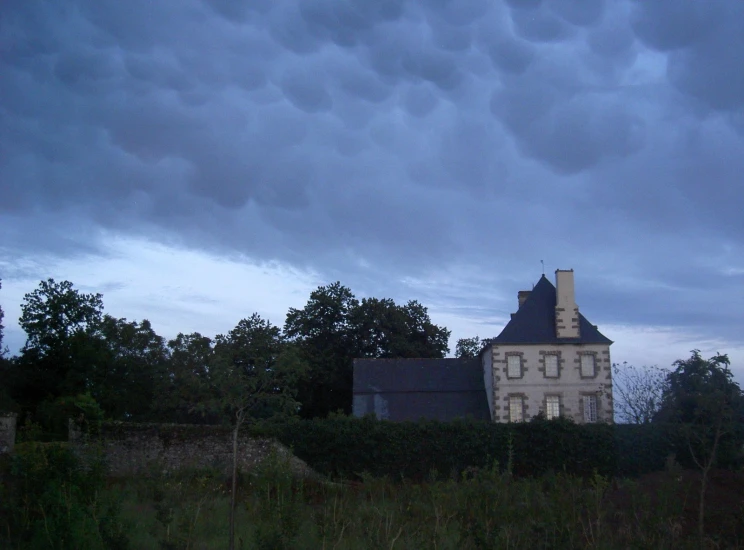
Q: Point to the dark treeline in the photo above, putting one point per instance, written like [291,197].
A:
[77,356]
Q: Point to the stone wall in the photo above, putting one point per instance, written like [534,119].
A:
[7,431]
[133,449]
[533,386]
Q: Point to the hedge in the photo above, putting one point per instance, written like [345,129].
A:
[347,447]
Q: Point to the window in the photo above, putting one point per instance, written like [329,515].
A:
[516,408]
[551,366]
[513,366]
[590,408]
[587,366]
[552,406]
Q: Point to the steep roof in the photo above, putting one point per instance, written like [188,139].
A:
[410,389]
[534,322]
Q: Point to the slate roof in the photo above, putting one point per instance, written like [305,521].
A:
[534,322]
[411,389]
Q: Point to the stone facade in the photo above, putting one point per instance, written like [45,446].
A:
[534,386]
[7,432]
[133,449]
[549,359]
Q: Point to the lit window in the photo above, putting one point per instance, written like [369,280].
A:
[590,408]
[551,366]
[516,409]
[514,366]
[587,366]
[552,406]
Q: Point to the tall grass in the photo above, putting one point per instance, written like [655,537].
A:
[69,506]
[482,509]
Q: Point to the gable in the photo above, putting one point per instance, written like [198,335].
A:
[534,322]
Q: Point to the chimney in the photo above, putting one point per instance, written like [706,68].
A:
[522,296]
[566,310]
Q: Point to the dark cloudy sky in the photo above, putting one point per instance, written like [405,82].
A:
[196,160]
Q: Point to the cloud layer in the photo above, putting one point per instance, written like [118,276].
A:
[374,141]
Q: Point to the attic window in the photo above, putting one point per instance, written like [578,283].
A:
[514,366]
[588,365]
[551,366]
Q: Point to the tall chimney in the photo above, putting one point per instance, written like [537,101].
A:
[522,296]
[566,310]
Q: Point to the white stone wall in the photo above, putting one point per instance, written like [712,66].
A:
[486,360]
[533,386]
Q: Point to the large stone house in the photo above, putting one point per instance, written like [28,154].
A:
[548,359]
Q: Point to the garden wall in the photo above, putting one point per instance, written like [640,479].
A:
[132,449]
[7,432]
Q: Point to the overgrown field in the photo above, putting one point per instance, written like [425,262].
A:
[67,505]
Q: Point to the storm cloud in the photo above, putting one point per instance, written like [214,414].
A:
[393,140]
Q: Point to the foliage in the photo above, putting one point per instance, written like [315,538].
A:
[253,371]
[334,328]
[81,408]
[186,383]
[703,399]
[482,509]
[53,500]
[60,325]
[323,331]
[129,367]
[638,392]
[345,447]
[55,312]
[469,348]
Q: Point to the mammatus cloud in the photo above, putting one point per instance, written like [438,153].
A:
[374,141]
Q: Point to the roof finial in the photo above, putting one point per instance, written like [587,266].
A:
[543,267]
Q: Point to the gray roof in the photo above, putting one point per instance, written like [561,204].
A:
[534,322]
[410,389]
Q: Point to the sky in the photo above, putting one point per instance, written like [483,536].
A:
[198,160]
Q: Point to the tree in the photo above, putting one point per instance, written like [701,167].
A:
[469,348]
[334,328]
[638,392]
[56,312]
[322,331]
[423,338]
[127,368]
[186,380]
[702,397]
[381,328]
[60,325]
[252,371]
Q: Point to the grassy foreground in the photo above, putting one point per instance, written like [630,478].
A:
[51,499]
[485,509]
